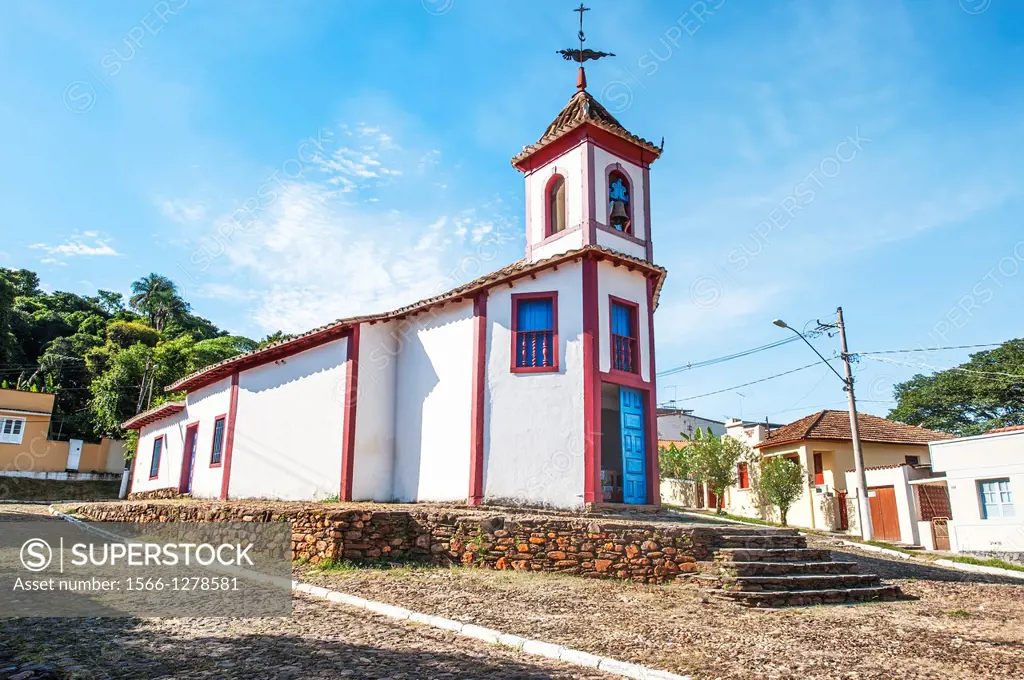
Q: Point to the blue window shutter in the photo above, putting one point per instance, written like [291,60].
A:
[535,333]
[621,321]
[534,315]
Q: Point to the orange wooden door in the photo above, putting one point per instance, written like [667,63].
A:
[885,518]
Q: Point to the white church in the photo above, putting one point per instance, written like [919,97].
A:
[532,385]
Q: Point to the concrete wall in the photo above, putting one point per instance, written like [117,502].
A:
[899,478]
[631,286]
[373,467]
[288,434]
[433,405]
[967,461]
[533,437]
[20,400]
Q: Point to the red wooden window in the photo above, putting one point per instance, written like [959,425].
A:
[744,475]
[625,345]
[218,441]
[819,470]
[535,332]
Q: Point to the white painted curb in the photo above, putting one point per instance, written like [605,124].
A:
[493,637]
[875,548]
[525,645]
[981,569]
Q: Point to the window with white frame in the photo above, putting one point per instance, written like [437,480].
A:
[11,430]
[996,498]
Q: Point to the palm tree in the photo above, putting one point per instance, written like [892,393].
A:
[157,297]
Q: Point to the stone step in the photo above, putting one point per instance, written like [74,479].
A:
[772,555]
[753,541]
[786,568]
[739,530]
[805,598]
[800,582]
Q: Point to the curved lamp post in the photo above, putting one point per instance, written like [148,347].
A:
[863,506]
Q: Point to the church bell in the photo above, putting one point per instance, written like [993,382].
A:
[619,217]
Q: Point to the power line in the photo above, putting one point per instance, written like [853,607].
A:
[754,382]
[728,357]
[1017,376]
[922,349]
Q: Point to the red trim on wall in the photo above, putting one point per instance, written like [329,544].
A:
[590,204]
[591,386]
[635,330]
[647,214]
[476,442]
[653,471]
[516,297]
[613,144]
[348,444]
[229,438]
[624,379]
[213,439]
[194,426]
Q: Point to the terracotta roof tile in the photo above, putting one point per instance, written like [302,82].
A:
[835,425]
[1008,428]
[339,328]
[154,414]
[582,109]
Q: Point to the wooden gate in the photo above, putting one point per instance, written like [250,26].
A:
[844,519]
[885,518]
[940,533]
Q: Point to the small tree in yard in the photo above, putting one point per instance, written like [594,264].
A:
[782,482]
[715,460]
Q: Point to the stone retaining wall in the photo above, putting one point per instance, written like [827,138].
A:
[154,494]
[647,553]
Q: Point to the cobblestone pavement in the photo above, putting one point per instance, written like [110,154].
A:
[319,640]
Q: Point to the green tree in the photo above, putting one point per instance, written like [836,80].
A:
[782,483]
[675,462]
[984,393]
[111,302]
[714,460]
[124,334]
[157,298]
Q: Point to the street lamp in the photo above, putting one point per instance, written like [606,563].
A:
[863,509]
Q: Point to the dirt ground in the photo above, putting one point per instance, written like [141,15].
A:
[24,489]
[959,626]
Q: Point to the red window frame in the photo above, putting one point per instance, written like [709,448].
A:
[553,296]
[163,449]
[548,224]
[213,440]
[743,472]
[819,469]
[633,367]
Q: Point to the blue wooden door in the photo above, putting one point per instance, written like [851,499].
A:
[634,451]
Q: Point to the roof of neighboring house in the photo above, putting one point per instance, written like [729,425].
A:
[154,414]
[1008,428]
[680,443]
[835,425]
[339,328]
[583,109]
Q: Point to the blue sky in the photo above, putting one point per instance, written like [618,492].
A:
[857,153]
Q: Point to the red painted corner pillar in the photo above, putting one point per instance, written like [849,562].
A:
[653,474]
[476,443]
[348,444]
[592,492]
[229,438]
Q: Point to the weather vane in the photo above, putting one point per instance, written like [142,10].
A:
[581,55]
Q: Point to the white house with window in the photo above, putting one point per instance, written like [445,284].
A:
[532,385]
[984,479]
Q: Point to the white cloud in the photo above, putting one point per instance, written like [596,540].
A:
[84,244]
[181,211]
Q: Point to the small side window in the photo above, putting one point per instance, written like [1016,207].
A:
[218,441]
[154,465]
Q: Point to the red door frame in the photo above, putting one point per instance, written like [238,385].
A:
[188,463]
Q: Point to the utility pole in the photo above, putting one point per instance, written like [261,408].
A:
[863,505]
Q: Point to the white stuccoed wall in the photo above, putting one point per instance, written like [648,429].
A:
[203,406]
[170,459]
[374,462]
[533,439]
[288,436]
[631,286]
[433,405]
[571,166]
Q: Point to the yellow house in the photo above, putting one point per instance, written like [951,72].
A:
[822,445]
[26,447]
